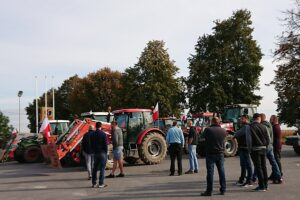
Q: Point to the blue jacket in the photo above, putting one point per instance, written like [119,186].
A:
[86,142]
[99,142]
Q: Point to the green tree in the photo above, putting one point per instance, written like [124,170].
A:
[225,68]
[5,129]
[153,79]
[76,95]
[287,75]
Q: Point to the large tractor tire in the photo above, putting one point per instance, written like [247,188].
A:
[33,154]
[231,146]
[297,149]
[153,148]
[19,155]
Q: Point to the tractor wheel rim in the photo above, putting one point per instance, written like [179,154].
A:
[229,146]
[154,148]
[33,155]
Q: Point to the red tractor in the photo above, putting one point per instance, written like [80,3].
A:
[141,139]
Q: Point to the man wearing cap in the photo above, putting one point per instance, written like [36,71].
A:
[87,150]
[99,147]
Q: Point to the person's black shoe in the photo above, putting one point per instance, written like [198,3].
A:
[277,181]
[179,174]
[89,178]
[172,174]
[222,193]
[110,176]
[205,194]
[120,175]
[189,172]
[196,171]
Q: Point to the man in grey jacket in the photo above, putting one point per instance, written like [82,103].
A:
[117,142]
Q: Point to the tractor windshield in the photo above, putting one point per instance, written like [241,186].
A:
[121,119]
[231,114]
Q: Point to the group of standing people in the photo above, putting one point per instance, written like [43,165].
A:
[257,140]
[94,145]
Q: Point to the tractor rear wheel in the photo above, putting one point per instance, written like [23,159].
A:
[231,146]
[19,155]
[153,148]
[297,149]
[33,154]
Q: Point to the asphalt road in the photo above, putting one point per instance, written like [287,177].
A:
[40,181]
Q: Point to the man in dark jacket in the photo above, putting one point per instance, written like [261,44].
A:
[192,145]
[214,143]
[243,136]
[99,147]
[276,141]
[87,150]
[260,141]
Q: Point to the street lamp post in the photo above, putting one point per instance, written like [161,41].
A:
[20,93]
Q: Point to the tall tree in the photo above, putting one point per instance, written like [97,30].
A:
[153,79]
[5,129]
[287,75]
[225,68]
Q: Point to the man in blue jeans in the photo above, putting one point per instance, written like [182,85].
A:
[214,143]
[244,139]
[99,147]
[192,145]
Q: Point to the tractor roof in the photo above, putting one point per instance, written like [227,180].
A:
[94,113]
[59,121]
[203,114]
[168,118]
[241,106]
[131,110]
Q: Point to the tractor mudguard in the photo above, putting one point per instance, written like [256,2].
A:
[142,135]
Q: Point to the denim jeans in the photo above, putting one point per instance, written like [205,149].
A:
[276,174]
[259,161]
[246,166]
[89,161]
[193,160]
[99,163]
[211,160]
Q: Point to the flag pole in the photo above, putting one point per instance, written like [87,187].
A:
[53,99]
[36,107]
[46,114]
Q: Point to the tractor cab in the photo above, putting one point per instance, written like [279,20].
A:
[165,123]
[232,113]
[133,122]
[141,140]
[59,127]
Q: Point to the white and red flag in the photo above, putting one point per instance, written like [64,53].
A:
[155,112]
[45,128]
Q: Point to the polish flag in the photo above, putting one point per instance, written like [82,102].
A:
[155,112]
[45,128]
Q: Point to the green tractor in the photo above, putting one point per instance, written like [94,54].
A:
[29,149]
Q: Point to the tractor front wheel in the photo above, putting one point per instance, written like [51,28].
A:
[153,148]
[19,155]
[231,146]
[33,154]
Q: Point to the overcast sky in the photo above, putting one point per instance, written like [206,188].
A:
[61,38]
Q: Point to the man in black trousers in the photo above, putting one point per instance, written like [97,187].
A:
[260,141]
[214,143]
